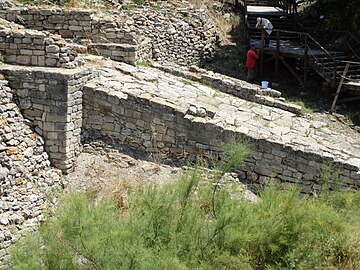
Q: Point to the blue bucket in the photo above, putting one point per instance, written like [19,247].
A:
[264,84]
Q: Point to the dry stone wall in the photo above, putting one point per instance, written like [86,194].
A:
[52,100]
[185,36]
[25,175]
[67,23]
[233,86]
[35,48]
[154,125]
[126,53]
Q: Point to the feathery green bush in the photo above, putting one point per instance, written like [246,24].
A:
[197,224]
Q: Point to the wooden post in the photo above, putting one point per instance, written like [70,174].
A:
[262,54]
[277,53]
[334,74]
[339,87]
[306,59]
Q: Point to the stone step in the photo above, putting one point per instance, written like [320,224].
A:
[127,53]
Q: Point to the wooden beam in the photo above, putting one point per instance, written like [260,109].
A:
[339,87]
[269,59]
[277,54]
[292,71]
[262,54]
[306,60]
[348,99]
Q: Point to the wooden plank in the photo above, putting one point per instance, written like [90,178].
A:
[305,59]
[339,87]
[277,54]
[349,99]
[269,59]
[292,71]
[262,54]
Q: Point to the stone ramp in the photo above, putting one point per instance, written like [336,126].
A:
[156,111]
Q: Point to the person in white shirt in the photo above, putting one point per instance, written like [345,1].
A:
[262,23]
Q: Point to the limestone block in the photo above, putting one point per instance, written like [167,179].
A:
[10,59]
[76,28]
[50,62]
[52,49]
[34,61]
[355,175]
[64,59]
[53,55]
[23,59]
[66,33]
[38,52]
[12,46]
[56,19]
[251,176]
[38,41]
[41,61]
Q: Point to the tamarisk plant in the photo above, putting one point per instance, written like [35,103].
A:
[195,223]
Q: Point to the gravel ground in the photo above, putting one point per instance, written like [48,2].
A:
[107,172]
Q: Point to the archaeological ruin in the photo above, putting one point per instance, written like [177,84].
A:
[131,78]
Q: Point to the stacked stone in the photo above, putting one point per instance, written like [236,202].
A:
[67,23]
[130,54]
[52,100]
[25,175]
[110,28]
[138,116]
[35,48]
[185,36]
[233,86]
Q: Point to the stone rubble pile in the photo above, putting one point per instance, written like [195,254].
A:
[25,175]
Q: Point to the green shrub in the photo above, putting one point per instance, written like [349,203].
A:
[197,224]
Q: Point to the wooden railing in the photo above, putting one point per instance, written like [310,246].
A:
[304,40]
[342,79]
[288,6]
[340,40]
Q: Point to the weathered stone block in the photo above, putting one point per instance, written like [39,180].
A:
[23,59]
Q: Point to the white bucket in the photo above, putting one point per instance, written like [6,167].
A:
[264,84]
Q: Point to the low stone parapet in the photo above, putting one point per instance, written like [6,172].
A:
[230,85]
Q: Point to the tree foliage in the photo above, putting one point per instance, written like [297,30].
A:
[338,15]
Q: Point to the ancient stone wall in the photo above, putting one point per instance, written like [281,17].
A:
[233,86]
[52,100]
[184,36]
[25,175]
[127,53]
[67,23]
[153,125]
[35,48]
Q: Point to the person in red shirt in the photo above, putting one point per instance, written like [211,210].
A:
[251,58]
